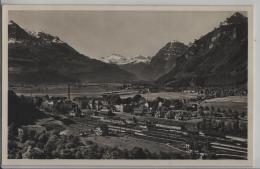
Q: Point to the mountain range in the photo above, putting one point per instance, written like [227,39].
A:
[218,58]
[161,63]
[38,57]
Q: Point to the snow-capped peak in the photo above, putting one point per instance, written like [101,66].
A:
[121,60]
[141,59]
[115,59]
[45,36]
[34,33]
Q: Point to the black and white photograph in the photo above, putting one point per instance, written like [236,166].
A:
[128,84]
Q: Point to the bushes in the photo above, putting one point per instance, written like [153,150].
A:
[33,153]
[51,145]
[137,153]
[113,153]
[47,145]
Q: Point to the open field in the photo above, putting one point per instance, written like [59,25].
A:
[128,142]
[238,103]
[166,95]
[62,90]
[92,90]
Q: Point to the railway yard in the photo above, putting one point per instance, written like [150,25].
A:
[163,137]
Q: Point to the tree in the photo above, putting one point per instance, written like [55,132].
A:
[178,104]
[78,154]
[67,154]
[128,108]
[115,99]
[218,110]
[102,129]
[21,110]
[230,112]
[33,153]
[167,103]
[43,138]
[134,119]
[137,153]
[113,153]
[30,143]
[137,98]
[127,100]
[75,141]
[12,131]
[243,114]
[110,113]
[51,144]
[201,108]
[207,108]
[235,114]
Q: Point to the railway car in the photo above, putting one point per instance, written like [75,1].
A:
[139,134]
[233,138]
[123,129]
[114,121]
[144,127]
[178,128]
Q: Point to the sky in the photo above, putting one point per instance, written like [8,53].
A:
[129,33]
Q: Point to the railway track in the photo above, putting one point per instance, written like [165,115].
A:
[148,135]
[221,145]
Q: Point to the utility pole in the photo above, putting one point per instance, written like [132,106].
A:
[68,91]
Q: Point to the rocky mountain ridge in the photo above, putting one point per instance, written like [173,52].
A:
[43,58]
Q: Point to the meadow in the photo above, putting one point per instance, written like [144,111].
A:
[234,103]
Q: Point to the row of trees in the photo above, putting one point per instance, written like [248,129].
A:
[224,127]
[216,111]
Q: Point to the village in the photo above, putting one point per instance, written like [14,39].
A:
[183,124]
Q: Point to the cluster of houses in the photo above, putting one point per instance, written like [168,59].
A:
[158,109]
[79,106]
[108,105]
[222,92]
